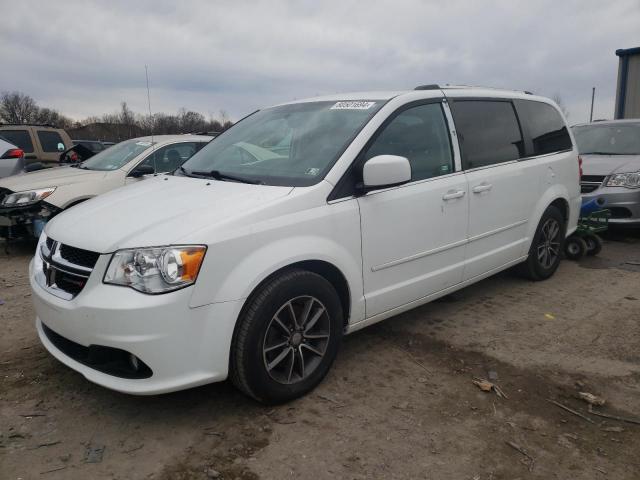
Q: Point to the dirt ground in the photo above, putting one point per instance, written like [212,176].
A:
[398,404]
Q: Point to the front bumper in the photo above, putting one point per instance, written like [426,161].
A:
[183,347]
[18,222]
[624,204]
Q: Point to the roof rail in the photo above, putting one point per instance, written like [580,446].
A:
[448,86]
[27,125]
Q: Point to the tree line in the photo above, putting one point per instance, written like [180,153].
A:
[19,108]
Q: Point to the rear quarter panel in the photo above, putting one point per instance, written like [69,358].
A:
[559,179]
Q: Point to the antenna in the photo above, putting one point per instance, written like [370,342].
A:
[153,123]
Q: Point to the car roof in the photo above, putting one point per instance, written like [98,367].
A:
[452,90]
[621,121]
[13,126]
[173,138]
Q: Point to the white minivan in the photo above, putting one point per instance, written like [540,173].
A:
[302,223]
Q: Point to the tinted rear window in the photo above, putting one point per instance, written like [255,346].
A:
[20,138]
[50,140]
[489,132]
[548,131]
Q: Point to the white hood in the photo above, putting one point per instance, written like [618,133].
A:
[608,164]
[50,177]
[158,211]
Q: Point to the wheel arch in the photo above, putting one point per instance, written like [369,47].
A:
[325,269]
[557,196]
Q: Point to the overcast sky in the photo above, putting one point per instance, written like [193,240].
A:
[83,58]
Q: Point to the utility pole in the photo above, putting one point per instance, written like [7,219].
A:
[593,94]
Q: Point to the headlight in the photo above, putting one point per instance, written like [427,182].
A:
[629,180]
[28,197]
[157,269]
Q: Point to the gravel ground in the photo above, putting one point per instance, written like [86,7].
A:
[399,402]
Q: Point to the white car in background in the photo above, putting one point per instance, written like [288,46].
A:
[301,223]
[28,201]
[11,159]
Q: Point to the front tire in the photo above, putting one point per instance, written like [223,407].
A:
[546,247]
[287,337]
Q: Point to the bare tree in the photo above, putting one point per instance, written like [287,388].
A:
[47,116]
[16,107]
[558,99]
[126,115]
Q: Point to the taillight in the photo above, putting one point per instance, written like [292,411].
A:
[74,157]
[580,166]
[13,153]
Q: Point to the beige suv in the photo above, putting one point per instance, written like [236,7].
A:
[40,143]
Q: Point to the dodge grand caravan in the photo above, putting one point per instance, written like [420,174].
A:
[302,223]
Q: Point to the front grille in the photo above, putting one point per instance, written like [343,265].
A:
[3,193]
[589,183]
[109,360]
[65,269]
[78,256]
[620,212]
[72,284]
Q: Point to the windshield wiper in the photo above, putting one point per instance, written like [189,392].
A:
[605,153]
[218,175]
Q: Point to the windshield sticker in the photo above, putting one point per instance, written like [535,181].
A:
[354,105]
[312,171]
[144,144]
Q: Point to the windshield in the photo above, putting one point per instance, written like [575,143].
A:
[117,156]
[608,139]
[290,145]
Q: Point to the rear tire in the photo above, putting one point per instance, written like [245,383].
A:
[546,247]
[594,244]
[575,248]
[287,337]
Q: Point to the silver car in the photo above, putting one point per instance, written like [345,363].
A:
[11,159]
[610,153]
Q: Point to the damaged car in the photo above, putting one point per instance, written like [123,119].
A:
[28,201]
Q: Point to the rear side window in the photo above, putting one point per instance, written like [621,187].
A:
[50,140]
[20,138]
[488,131]
[421,135]
[548,131]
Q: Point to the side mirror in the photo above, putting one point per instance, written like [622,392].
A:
[142,170]
[385,171]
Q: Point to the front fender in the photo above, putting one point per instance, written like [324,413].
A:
[234,267]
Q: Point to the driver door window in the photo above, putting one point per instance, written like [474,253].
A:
[421,135]
[169,158]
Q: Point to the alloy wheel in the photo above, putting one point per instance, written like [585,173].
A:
[549,244]
[296,339]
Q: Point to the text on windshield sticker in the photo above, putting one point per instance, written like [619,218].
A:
[353,105]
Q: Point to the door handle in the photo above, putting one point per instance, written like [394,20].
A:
[483,187]
[453,194]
